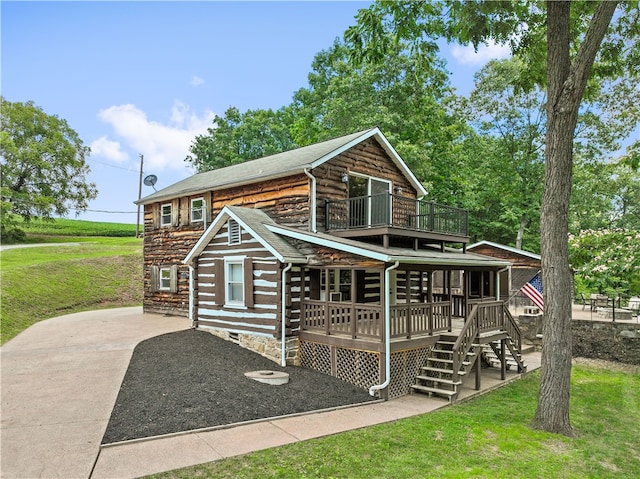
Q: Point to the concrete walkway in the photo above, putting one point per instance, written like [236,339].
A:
[60,380]
[61,377]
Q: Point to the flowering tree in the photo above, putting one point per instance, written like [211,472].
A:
[606,261]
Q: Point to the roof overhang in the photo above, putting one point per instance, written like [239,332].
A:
[391,255]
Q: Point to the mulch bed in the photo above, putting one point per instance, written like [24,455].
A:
[192,379]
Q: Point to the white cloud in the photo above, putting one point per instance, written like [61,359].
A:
[108,149]
[164,146]
[466,55]
[197,81]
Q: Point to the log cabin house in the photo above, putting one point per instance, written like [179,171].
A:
[327,257]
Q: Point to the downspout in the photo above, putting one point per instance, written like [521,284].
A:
[313,227]
[283,361]
[387,331]
[191,298]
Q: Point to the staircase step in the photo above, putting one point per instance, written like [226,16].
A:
[439,380]
[427,389]
[447,361]
[440,370]
[444,351]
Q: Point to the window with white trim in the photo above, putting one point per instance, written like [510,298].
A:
[165,214]
[197,210]
[164,279]
[234,281]
[235,233]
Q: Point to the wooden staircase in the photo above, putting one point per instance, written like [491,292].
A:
[437,375]
[490,333]
[492,356]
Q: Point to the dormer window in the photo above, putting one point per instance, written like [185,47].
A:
[234,232]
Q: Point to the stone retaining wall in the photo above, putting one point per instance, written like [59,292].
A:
[606,340]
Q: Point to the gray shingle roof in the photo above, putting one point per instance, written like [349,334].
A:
[254,221]
[274,166]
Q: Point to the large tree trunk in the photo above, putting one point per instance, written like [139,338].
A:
[565,87]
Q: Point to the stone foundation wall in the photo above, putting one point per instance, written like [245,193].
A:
[268,347]
[606,340]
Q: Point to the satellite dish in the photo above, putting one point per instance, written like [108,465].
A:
[151,180]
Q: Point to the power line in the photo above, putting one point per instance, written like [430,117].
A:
[112,166]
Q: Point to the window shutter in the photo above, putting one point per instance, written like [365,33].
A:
[154,281]
[206,208]
[173,280]
[156,215]
[248,282]
[219,282]
[175,212]
[185,210]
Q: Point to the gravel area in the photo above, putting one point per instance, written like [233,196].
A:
[192,379]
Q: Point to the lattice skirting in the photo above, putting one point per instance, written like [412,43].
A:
[358,367]
[405,366]
[362,368]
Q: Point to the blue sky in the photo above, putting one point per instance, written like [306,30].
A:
[145,78]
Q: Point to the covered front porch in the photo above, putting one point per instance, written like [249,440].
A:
[380,326]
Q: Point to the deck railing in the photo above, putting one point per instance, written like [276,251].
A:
[419,318]
[365,320]
[357,320]
[395,211]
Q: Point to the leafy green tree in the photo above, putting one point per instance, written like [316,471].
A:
[606,261]
[237,137]
[408,96]
[506,180]
[569,48]
[43,165]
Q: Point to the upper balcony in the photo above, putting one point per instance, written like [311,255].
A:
[394,215]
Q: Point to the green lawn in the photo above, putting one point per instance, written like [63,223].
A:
[42,282]
[487,437]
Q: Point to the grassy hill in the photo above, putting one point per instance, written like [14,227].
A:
[100,266]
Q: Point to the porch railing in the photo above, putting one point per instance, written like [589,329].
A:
[365,320]
[396,211]
[419,318]
[358,320]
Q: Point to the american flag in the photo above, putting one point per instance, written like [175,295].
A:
[533,291]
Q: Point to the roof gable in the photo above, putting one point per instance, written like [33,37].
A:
[253,221]
[276,166]
[510,249]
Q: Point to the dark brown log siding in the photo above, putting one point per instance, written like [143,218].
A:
[284,199]
[515,258]
[367,158]
[261,313]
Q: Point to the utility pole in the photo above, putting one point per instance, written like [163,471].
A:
[139,197]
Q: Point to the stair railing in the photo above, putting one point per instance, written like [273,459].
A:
[465,341]
[512,328]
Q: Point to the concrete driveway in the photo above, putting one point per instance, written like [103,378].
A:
[60,380]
